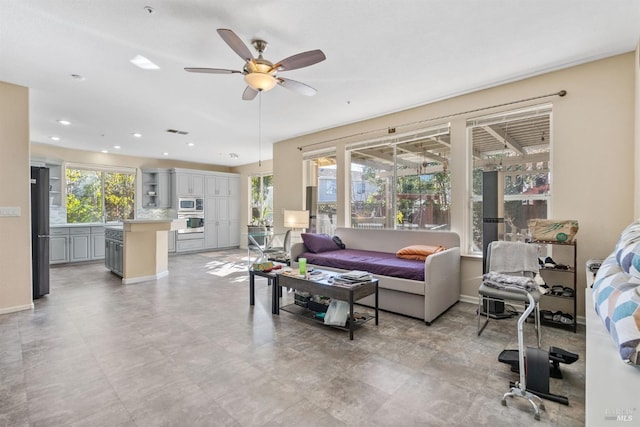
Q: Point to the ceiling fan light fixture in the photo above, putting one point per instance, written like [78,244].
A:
[260,81]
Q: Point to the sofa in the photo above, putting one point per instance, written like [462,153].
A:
[423,289]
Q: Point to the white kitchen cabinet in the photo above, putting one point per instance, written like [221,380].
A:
[58,245]
[189,184]
[156,189]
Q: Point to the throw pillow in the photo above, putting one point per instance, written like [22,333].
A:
[338,242]
[318,243]
[418,252]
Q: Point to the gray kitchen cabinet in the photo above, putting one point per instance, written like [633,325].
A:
[156,189]
[56,184]
[114,250]
[217,226]
[234,211]
[172,241]
[97,243]
[189,184]
[222,211]
[79,244]
[58,245]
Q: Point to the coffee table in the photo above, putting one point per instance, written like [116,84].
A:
[326,287]
[272,280]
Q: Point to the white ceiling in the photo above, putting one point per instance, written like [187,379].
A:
[382,56]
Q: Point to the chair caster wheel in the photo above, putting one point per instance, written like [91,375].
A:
[542,408]
[504,402]
[537,417]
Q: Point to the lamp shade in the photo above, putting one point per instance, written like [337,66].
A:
[260,81]
[296,219]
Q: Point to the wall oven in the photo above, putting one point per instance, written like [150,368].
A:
[191,209]
[195,222]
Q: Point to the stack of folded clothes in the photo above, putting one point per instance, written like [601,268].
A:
[506,281]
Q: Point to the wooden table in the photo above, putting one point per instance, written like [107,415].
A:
[327,288]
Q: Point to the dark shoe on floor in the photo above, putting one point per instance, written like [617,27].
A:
[566,318]
[549,263]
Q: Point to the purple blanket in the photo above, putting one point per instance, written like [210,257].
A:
[381,263]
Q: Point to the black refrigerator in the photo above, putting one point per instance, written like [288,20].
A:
[40,230]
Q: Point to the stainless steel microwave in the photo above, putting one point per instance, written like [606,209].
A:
[190,204]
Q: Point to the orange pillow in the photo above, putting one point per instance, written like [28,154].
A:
[418,252]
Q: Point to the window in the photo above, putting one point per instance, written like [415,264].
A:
[517,144]
[261,200]
[321,167]
[95,195]
[402,182]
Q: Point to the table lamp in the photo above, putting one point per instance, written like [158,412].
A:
[297,221]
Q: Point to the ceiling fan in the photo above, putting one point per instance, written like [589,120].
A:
[260,74]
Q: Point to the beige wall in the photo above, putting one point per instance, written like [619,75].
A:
[15,251]
[592,152]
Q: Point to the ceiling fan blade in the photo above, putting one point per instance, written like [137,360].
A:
[211,70]
[235,43]
[297,87]
[300,60]
[249,94]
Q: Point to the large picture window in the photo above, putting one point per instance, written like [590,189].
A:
[95,195]
[262,200]
[321,167]
[402,182]
[517,144]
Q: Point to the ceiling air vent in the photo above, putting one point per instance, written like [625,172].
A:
[179,132]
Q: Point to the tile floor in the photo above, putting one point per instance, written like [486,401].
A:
[188,350]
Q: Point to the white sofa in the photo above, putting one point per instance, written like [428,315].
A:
[424,300]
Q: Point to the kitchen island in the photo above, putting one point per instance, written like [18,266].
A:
[145,245]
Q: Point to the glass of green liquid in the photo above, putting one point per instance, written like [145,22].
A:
[302,263]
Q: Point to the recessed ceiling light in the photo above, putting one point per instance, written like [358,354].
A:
[55,138]
[64,122]
[104,151]
[117,147]
[165,154]
[142,62]
[190,144]
[137,135]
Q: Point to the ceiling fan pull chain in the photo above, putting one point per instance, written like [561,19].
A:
[260,129]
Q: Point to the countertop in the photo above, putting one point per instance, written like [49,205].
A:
[87,224]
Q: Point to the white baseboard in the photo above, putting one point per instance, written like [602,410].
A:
[131,280]
[580,320]
[8,310]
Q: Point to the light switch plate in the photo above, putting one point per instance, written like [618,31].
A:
[10,211]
